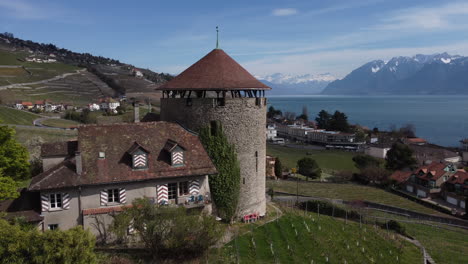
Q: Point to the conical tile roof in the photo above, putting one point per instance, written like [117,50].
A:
[217,71]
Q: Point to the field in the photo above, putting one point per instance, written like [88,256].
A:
[16,117]
[444,246]
[24,134]
[62,123]
[349,192]
[34,71]
[328,160]
[299,238]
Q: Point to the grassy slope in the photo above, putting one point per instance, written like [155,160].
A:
[349,192]
[63,123]
[331,240]
[444,246]
[16,117]
[328,160]
[39,71]
[48,135]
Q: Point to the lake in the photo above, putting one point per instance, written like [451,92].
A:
[441,120]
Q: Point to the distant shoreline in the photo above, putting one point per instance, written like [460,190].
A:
[368,96]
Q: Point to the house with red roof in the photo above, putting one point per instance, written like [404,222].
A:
[427,180]
[108,166]
[455,190]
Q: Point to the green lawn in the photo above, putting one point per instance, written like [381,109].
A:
[444,246]
[299,238]
[63,123]
[16,117]
[24,134]
[328,160]
[349,192]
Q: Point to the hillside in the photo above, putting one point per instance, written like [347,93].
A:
[16,117]
[39,69]
[420,74]
[299,237]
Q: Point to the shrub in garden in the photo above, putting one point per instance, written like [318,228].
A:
[327,208]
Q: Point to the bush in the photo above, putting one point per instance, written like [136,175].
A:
[395,226]
[278,168]
[18,245]
[309,168]
[328,208]
[167,231]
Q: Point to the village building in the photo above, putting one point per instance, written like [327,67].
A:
[426,181]
[27,105]
[271,132]
[86,180]
[378,150]
[109,104]
[217,88]
[464,149]
[137,73]
[455,190]
[94,107]
[270,167]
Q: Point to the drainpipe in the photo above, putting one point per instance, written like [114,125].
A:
[80,212]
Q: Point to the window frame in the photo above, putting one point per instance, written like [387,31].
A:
[52,227]
[183,188]
[113,196]
[55,201]
[172,193]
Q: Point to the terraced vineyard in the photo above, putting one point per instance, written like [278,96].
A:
[78,89]
[16,117]
[307,238]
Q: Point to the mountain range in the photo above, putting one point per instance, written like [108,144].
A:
[418,75]
[287,84]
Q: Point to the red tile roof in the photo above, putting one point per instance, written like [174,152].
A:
[65,148]
[459,178]
[433,171]
[115,140]
[416,140]
[27,103]
[215,71]
[401,176]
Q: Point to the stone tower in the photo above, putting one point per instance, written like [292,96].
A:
[218,88]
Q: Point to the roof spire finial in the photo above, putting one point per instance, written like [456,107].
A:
[217,37]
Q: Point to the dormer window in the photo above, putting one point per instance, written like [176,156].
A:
[176,153]
[139,157]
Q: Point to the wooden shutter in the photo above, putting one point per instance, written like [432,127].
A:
[163,195]
[104,197]
[177,158]
[65,201]
[44,203]
[122,195]
[194,187]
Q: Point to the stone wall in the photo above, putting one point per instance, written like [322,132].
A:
[244,123]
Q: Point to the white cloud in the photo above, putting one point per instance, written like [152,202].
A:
[427,18]
[22,10]
[284,12]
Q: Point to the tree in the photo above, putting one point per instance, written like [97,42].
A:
[8,188]
[304,117]
[278,168]
[309,168]
[272,112]
[339,122]
[305,114]
[323,119]
[29,245]
[290,115]
[408,130]
[167,231]
[364,161]
[400,156]
[13,156]
[374,175]
[226,185]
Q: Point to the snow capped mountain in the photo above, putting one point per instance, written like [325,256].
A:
[296,84]
[421,74]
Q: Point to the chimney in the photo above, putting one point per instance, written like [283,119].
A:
[79,163]
[136,112]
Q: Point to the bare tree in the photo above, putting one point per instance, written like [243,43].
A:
[290,115]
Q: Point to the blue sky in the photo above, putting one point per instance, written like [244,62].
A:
[268,36]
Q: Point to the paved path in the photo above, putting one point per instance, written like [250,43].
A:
[38,123]
[58,77]
[426,257]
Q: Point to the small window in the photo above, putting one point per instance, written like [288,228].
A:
[243,180]
[221,101]
[184,188]
[172,191]
[113,196]
[188,102]
[102,155]
[55,200]
[53,226]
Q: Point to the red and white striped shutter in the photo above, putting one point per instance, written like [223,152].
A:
[44,203]
[104,197]
[177,158]
[194,187]
[122,195]
[163,194]
[65,201]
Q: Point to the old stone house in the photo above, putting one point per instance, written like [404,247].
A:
[108,166]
